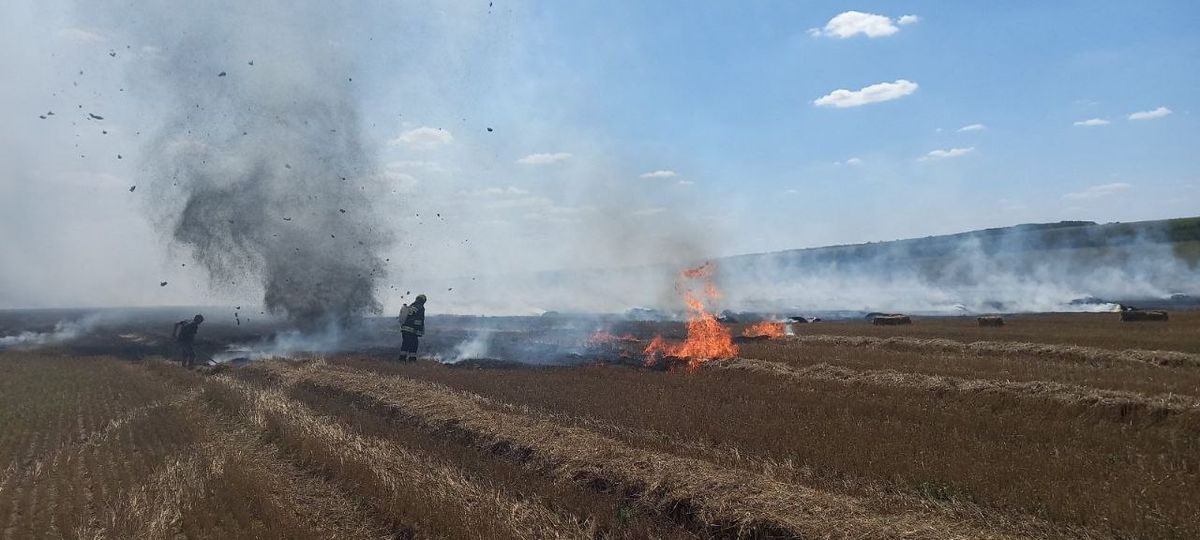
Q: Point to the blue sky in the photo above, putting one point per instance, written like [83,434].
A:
[633,132]
[722,94]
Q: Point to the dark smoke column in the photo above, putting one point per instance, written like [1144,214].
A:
[259,167]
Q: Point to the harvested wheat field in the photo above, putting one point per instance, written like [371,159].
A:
[599,270]
[843,431]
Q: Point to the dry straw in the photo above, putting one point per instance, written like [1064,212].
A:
[1070,353]
[716,499]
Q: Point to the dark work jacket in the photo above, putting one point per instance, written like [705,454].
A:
[413,320]
[187,331]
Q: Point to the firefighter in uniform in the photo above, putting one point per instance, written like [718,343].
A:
[185,337]
[412,327]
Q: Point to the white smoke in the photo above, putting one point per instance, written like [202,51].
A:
[475,347]
[64,331]
[1018,270]
[1015,272]
[286,344]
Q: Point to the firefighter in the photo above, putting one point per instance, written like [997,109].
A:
[184,333]
[412,327]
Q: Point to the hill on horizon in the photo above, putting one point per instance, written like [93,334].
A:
[1183,233]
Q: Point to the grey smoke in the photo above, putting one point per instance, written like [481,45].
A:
[249,170]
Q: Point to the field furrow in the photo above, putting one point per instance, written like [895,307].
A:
[882,498]
[1061,352]
[1128,407]
[717,499]
[842,437]
[409,489]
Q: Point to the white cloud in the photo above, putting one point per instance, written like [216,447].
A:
[852,23]
[686,182]
[513,203]
[659,174]
[530,203]
[552,213]
[493,192]
[649,211]
[1097,191]
[80,35]
[402,182]
[1092,122]
[423,138]
[791,191]
[1150,115]
[973,127]
[544,159]
[416,165]
[1011,206]
[854,161]
[947,154]
[875,93]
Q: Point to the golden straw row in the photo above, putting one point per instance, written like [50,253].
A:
[724,501]
[407,488]
[1071,353]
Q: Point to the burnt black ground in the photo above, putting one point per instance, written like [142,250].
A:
[555,339]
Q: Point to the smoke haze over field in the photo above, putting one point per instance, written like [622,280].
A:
[1021,270]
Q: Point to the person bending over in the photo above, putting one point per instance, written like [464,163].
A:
[185,338]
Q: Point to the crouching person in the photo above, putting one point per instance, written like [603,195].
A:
[412,327]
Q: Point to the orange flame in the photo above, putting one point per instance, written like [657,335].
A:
[706,339]
[765,329]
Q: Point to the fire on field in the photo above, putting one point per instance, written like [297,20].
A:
[707,339]
[766,329]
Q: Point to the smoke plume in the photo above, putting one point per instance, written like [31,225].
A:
[64,331]
[477,346]
[258,168]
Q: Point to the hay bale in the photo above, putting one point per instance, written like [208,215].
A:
[990,320]
[891,320]
[1136,315]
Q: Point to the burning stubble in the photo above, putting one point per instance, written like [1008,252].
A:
[707,339]
[259,168]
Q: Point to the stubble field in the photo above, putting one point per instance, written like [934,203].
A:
[1055,426]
